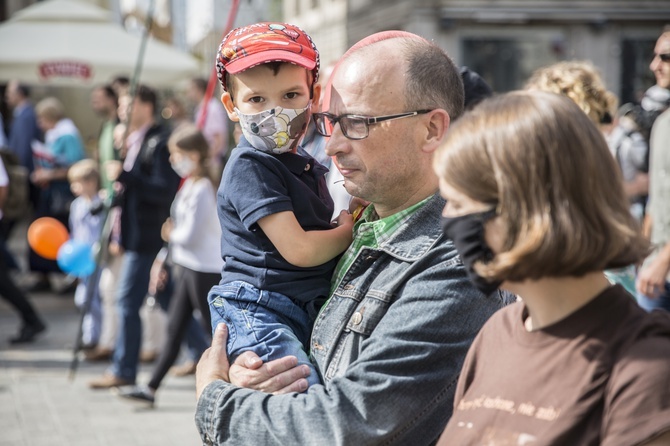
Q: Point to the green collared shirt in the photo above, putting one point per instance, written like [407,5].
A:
[370,231]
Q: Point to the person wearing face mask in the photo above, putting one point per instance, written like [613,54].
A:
[192,233]
[278,243]
[576,361]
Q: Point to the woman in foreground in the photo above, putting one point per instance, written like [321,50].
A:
[535,204]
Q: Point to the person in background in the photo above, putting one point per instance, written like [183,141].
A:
[576,361]
[148,185]
[22,132]
[104,103]
[630,149]
[24,128]
[581,82]
[31,323]
[214,126]
[475,88]
[62,147]
[193,233]
[390,341]
[653,283]
[86,226]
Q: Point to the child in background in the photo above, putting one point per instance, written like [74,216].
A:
[193,234]
[86,226]
[278,244]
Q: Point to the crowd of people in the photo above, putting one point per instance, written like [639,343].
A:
[480,270]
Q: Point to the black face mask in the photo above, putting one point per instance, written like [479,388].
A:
[467,233]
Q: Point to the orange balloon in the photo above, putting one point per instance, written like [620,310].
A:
[46,235]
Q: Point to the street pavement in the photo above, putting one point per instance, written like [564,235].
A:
[41,406]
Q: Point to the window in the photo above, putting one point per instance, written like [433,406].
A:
[507,62]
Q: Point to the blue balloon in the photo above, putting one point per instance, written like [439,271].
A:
[76,258]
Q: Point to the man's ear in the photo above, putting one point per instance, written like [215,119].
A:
[228,104]
[436,125]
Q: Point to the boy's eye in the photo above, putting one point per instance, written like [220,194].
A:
[256,99]
[291,95]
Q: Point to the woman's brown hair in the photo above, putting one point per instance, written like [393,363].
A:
[557,188]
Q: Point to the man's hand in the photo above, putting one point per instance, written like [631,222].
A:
[651,278]
[213,364]
[282,375]
[113,169]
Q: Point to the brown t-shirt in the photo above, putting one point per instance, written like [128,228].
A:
[601,376]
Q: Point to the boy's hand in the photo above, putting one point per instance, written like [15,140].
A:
[345,219]
[357,204]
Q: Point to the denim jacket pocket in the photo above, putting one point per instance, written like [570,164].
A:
[368,313]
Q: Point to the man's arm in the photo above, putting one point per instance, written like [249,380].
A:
[399,389]
[652,277]
[307,248]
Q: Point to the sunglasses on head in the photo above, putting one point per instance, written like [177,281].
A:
[665,57]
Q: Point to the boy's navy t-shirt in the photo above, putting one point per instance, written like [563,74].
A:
[254,185]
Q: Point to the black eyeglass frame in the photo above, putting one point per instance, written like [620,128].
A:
[368,120]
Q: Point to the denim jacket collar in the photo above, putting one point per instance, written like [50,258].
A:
[412,240]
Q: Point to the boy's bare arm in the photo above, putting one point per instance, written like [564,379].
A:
[306,248]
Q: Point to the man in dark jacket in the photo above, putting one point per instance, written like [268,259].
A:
[148,185]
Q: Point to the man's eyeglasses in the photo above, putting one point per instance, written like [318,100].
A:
[665,57]
[355,126]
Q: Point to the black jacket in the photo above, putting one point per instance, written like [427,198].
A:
[149,189]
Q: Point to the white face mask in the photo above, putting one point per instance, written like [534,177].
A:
[184,167]
[276,130]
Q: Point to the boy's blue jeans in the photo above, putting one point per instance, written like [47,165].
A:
[267,323]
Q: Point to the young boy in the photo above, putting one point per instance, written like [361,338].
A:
[85,226]
[278,243]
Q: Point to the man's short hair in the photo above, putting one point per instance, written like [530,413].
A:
[146,95]
[558,190]
[200,83]
[109,92]
[433,80]
[23,90]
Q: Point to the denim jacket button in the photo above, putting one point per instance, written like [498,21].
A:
[357,318]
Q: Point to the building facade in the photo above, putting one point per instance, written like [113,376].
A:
[325,21]
[505,40]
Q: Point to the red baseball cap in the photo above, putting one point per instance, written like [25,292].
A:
[252,45]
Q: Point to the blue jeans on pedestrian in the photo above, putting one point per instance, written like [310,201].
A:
[661,302]
[133,286]
[267,323]
[88,289]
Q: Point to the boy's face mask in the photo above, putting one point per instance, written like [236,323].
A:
[276,130]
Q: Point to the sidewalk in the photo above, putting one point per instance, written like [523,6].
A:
[40,406]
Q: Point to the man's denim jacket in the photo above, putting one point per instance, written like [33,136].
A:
[389,346]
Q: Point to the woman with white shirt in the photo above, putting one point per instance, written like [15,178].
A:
[194,237]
